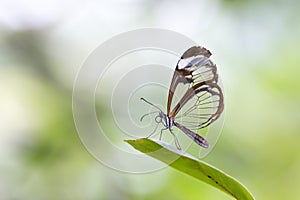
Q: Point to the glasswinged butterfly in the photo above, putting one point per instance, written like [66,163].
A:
[202,102]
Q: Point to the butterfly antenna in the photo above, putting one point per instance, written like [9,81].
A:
[151,104]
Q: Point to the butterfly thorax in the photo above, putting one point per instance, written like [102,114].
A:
[165,120]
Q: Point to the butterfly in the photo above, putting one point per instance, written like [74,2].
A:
[200,104]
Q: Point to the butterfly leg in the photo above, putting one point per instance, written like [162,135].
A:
[175,139]
[153,131]
[161,131]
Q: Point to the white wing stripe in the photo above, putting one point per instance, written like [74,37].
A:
[199,60]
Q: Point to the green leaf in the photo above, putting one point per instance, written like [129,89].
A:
[187,164]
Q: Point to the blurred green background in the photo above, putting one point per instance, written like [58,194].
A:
[42,45]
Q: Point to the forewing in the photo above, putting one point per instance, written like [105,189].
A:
[202,101]
[194,66]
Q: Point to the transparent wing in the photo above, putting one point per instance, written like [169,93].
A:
[202,107]
[193,67]
[201,102]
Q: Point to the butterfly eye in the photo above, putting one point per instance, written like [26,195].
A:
[158,119]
